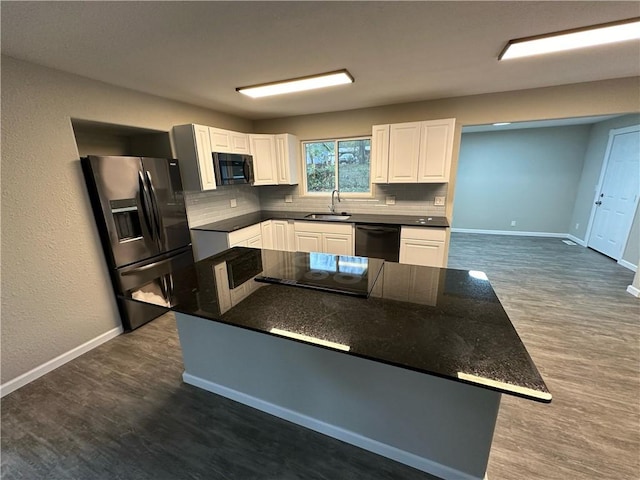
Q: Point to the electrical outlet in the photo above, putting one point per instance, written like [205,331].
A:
[233,202]
[390,200]
[438,201]
[288,199]
[513,223]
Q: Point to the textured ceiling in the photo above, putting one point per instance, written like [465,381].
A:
[199,52]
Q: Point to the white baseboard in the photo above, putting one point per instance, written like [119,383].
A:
[31,375]
[407,458]
[633,291]
[628,265]
[577,240]
[510,232]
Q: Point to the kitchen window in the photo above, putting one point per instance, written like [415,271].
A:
[343,165]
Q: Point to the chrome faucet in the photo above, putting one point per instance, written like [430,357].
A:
[333,200]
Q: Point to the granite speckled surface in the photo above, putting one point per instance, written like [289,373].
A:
[236,223]
[437,321]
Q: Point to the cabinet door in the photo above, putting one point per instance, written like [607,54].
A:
[337,243]
[404,149]
[239,143]
[220,140]
[422,252]
[380,153]
[267,234]
[308,242]
[436,145]
[287,147]
[263,149]
[205,160]
[280,235]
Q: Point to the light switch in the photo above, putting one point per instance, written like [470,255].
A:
[288,199]
[390,200]
[233,203]
[439,201]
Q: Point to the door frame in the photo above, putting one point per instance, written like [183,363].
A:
[596,193]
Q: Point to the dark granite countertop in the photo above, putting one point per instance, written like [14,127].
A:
[437,321]
[242,221]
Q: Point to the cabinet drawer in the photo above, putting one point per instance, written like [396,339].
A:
[324,227]
[419,233]
[244,234]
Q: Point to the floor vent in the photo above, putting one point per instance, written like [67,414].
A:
[569,242]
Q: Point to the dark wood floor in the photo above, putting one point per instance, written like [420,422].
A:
[121,411]
[569,305]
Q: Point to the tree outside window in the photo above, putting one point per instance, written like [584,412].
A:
[344,165]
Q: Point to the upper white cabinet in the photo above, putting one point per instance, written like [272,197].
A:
[413,152]
[228,141]
[263,149]
[287,148]
[380,153]
[193,148]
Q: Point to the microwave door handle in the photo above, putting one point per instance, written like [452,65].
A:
[245,170]
[144,200]
[156,211]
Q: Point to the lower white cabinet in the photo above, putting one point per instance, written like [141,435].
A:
[266,228]
[283,236]
[206,243]
[324,237]
[423,246]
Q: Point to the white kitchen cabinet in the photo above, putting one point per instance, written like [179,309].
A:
[266,228]
[193,147]
[287,158]
[380,153]
[207,243]
[413,152]
[308,242]
[324,237]
[265,169]
[423,246]
[404,149]
[283,235]
[436,146]
[222,286]
[228,141]
[246,237]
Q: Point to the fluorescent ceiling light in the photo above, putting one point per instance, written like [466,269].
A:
[500,124]
[329,79]
[572,39]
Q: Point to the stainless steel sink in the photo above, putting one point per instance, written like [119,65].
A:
[327,216]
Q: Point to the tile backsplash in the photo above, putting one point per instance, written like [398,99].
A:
[410,199]
[215,205]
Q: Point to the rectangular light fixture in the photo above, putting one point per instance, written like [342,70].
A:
[310,82]
[571,39]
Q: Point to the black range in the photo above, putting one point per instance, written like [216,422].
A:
[437,321]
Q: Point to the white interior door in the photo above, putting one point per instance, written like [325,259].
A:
[618,193]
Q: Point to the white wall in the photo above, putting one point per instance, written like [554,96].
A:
[56,293]
[529,176]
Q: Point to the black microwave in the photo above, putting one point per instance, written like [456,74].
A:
[232,168]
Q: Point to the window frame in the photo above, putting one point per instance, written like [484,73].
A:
[303,161]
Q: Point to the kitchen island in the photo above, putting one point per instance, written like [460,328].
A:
[408,362]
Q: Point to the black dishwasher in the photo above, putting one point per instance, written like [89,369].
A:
[377,241]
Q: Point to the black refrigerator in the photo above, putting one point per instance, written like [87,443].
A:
[138,205]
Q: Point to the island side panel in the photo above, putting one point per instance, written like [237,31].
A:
[438,426]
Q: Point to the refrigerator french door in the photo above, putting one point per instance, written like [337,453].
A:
[138,205]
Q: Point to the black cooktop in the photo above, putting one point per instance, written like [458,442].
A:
[344,274]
